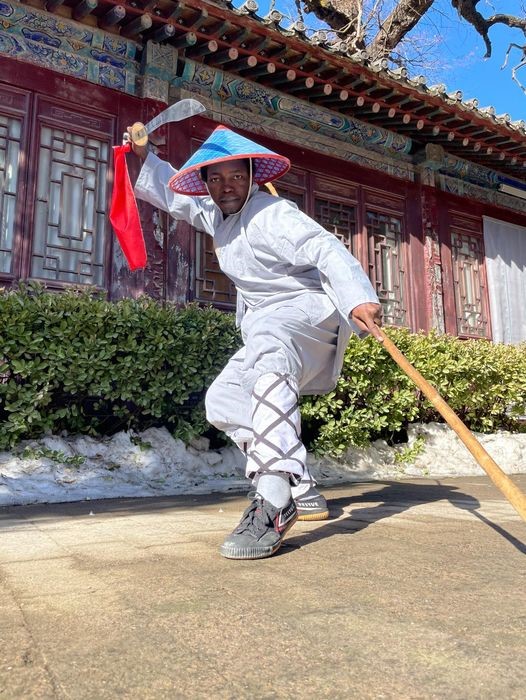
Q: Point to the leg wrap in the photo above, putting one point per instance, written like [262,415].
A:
[276,424]
[307,482]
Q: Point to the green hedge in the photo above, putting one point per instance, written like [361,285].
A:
[76,362]
[484,383]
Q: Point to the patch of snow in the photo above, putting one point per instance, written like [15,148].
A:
[153,463]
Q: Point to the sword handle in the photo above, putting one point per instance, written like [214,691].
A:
[138,134]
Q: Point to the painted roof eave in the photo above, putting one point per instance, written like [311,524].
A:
[317,71]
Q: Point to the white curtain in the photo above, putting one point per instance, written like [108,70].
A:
[505,248]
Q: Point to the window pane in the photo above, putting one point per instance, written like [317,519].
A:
[385,257]
[70,214]
[467,255]
[292,195]
[338,218]
[10,130]
[210,283]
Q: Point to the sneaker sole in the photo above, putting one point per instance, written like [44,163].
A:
[254,552]
[323,515]
[248,553]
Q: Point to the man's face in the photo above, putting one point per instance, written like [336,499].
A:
[228,184]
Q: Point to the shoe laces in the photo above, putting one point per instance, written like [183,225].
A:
[256,519]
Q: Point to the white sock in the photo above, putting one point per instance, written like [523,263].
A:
[274,488]
[305,484]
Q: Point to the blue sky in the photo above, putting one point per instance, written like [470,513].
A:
[457,57]
[464,68]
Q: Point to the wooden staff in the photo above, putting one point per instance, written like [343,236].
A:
[495,473]
[501,480]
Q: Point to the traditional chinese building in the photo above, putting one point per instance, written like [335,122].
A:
[426,189]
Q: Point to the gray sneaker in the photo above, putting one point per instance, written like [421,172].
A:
[312,506]
[260,531]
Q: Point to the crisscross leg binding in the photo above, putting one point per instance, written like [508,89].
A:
[276,424]
[305,484]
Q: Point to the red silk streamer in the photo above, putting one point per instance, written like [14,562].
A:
[124,215]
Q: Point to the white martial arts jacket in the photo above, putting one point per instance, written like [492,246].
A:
[273,253]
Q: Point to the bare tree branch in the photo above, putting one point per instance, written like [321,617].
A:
[509,21]
[467,10]
[406,15]
[353,19]
[521,64]
[341,15]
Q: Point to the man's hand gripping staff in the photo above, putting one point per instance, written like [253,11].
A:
[368,317]
[501,480]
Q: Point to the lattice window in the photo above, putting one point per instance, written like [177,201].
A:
[338,218]
[469,282]
[292,195]
[70,207]
[385,235]
[211,284]
[10,131]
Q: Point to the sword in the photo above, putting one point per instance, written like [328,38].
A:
[174,113]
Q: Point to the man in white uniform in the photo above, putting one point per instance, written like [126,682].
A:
[300,295]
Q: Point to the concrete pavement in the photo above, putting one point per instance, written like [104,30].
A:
[413,590]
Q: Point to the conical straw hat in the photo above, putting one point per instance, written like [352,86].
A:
[223,145]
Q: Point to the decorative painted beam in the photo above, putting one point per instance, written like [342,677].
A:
[112,17]
[84,8]
[203,50]
[281,78]
[137,26]
[263,70]
[223,56]
[307,83]
[243,63]
[51,5]
[167,31]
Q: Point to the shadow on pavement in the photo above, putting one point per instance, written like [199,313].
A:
[116,507]
[521,546]
[391,499]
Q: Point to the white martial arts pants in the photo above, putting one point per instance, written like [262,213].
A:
[255,398]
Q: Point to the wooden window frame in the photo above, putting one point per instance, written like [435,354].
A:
[35,111]
[452,220]
[35,85]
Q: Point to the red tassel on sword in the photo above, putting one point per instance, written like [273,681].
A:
[124,215]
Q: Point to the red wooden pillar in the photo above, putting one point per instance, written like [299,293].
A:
[432,259]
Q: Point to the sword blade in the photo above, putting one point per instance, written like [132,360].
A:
[175,113]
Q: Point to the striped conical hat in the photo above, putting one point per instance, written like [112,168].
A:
[222,145]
